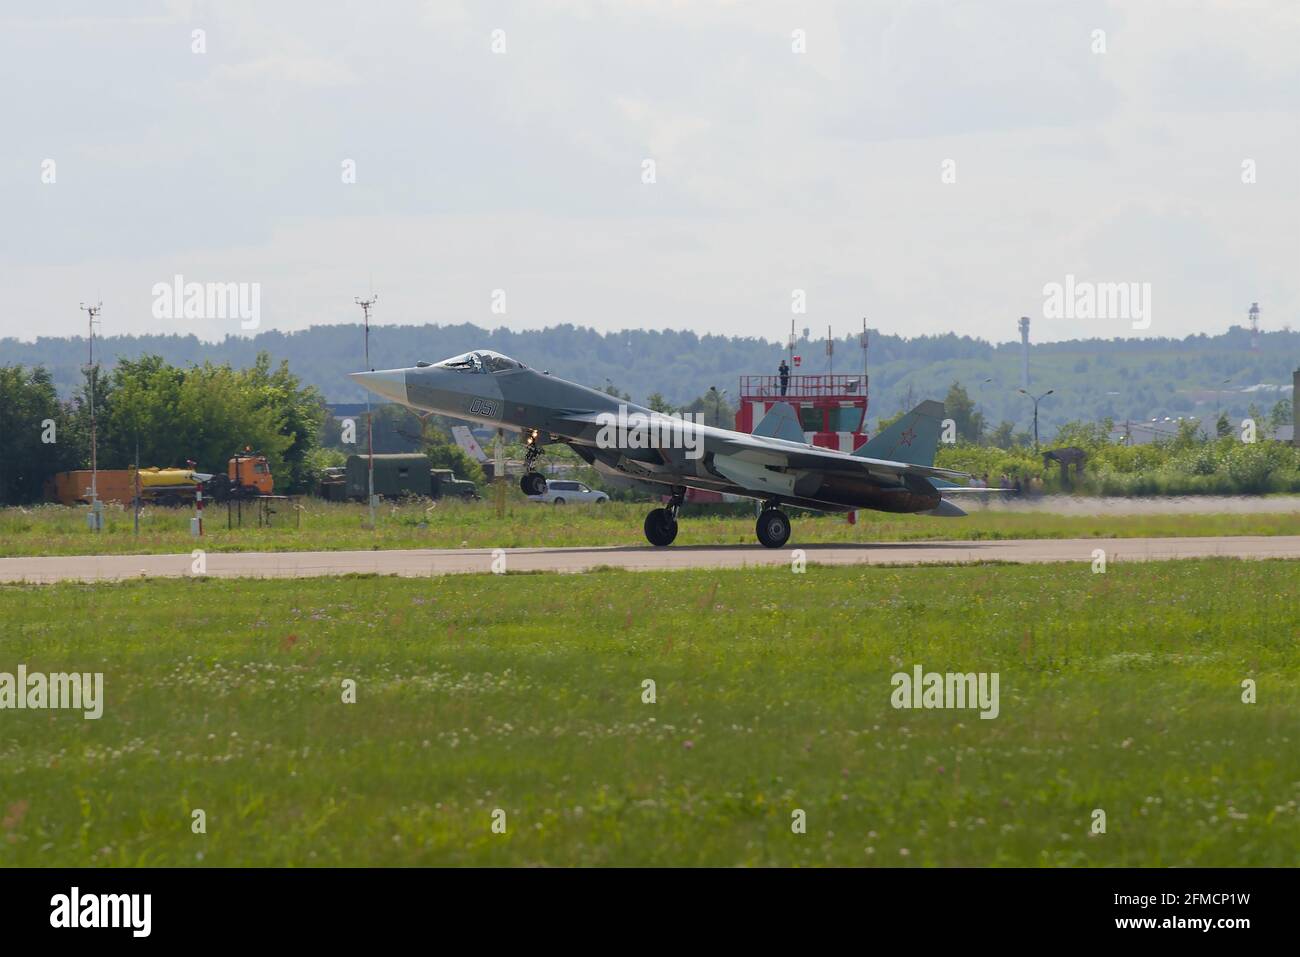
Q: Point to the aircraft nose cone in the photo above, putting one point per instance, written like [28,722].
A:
[390,383]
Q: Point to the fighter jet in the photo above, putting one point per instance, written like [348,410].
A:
[633,445]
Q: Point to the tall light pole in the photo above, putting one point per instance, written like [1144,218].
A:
[717,404]
[979,402]
[1218,410]
[92,313]
[1036,401]
[365,305]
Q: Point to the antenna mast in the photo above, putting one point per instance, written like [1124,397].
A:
[863,342]
[365,305]
[92,317]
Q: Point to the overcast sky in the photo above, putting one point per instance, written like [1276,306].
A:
[775,170]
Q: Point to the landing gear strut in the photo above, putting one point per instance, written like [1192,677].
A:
[661,524]
[773,526]
[532,483]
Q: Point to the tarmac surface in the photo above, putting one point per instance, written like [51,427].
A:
[428,562]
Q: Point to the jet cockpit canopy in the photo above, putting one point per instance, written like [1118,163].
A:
[482,360]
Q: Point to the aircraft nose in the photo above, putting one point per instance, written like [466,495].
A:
[390,383]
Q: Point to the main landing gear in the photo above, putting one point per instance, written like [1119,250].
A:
[773,526]
[661,524]
[532,483]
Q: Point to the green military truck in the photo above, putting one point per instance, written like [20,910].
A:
[401,474]
[445,483]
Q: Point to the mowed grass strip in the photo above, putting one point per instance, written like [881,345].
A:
[314,525]
[1119,691]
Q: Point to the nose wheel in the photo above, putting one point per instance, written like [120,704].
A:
[773,527]
[532,483]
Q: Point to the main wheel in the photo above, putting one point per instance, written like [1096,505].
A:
[660,527]
[773,528]
[533,483]
[558,501]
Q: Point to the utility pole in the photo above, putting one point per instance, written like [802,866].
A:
[96,510]
[365,305]
[1036,401]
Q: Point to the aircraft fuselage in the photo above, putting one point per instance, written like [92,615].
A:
[557,410]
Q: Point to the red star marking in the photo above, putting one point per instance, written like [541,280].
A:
[907,437]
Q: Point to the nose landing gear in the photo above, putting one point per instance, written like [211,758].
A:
[532,483]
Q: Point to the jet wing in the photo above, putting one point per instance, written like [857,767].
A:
[832,461]
[799,455]
[761,450]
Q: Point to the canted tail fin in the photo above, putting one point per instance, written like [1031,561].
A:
[781,422]
[912,439]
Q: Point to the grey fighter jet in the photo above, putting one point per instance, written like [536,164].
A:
[630,444]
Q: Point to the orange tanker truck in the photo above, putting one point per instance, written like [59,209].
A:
[159,486]
[247,476]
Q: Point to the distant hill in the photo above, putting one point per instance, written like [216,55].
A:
[1093,378]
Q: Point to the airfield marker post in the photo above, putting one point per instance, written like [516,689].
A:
[196,523]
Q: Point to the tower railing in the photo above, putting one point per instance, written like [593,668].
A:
[825,386]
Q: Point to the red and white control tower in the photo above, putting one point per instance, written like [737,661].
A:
[832,407]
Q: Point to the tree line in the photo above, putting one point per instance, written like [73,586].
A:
[1092,379]
[149,411]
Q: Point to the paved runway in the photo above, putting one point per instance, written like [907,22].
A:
[426,562]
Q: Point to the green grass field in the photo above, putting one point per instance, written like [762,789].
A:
[1119,692]
[56,530]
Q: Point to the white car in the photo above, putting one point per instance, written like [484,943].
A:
[560,491]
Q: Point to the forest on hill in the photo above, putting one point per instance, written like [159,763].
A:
[1092,379]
